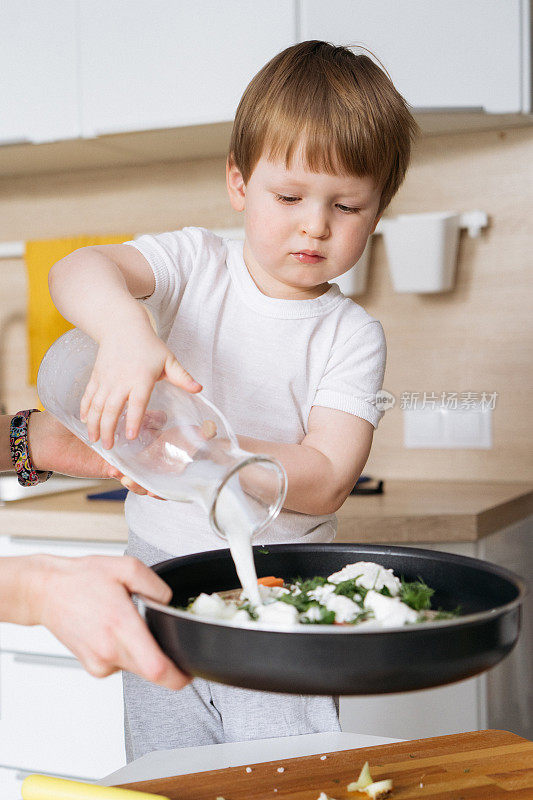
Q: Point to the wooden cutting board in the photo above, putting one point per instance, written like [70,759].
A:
[485,765]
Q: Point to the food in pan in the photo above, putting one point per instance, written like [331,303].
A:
[363,594]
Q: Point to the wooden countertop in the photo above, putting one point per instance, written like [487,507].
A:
[433,511]
[408,511]
[68,515]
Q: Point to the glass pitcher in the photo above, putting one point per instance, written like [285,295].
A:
[185,449]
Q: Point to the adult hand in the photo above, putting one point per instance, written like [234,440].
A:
[86,603]
[54,447]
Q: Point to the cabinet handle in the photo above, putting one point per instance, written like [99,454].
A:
[21,775]
[51,661]
[14,141]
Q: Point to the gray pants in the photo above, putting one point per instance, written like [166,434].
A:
[205,712]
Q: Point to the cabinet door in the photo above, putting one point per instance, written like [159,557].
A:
[159,64]
[38,71]
[414,715]
[439,53]
[56,718]
[10,783]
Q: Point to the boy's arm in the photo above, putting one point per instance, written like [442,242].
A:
[323,469]
[95,289]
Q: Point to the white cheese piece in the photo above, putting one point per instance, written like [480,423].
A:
[277,591]
[211,605]
[313,614]
[277,613]
[369,575]
[345,609]
[390,612]
[321,593]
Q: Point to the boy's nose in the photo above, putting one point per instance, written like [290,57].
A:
[316,226]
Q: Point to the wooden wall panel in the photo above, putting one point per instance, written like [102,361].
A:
[478,337]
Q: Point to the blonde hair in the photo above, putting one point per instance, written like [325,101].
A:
[342,106]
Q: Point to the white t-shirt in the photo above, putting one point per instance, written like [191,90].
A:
[263,361]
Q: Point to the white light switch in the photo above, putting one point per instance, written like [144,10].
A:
[467,428]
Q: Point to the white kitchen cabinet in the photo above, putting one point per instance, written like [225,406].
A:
[499,698]
[10,783]
[38,71]
[55,717]
[444,54]
[430,712]
[159,64]
[414,715]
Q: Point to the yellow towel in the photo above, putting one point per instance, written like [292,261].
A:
[44,322]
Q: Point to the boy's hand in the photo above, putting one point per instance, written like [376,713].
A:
[86,603]
[128,365]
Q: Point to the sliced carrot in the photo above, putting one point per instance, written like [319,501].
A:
[270,581]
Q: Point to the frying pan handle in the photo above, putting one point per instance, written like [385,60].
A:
[140,601]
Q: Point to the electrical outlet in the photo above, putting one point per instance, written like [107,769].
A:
[467,428]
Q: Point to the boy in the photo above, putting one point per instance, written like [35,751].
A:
[320,144]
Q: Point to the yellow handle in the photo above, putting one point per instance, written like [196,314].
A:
[43,787]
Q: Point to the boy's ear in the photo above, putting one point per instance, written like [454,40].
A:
[235,185]
[374,226]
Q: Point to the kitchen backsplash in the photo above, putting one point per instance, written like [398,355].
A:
[477,338]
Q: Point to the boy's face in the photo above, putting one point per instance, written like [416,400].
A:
[288,211]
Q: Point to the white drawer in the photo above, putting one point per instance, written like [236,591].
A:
[37,639]
[56,718]
[10,783]
[21,546]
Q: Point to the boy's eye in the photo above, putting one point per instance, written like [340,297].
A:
[289,199]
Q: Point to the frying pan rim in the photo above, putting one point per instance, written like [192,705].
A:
[456,622]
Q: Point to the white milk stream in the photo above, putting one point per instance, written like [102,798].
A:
[234,520]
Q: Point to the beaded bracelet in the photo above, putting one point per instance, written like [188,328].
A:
[20,453]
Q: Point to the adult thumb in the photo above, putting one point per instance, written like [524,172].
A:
[177,375]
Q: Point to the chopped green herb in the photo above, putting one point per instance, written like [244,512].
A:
[300,601]
[348,588]
[308,584]
[252,613]
[416,594]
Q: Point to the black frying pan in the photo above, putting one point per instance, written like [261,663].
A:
[318,659]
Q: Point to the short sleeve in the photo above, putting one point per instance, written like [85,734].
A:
[172,257]
[354,374]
